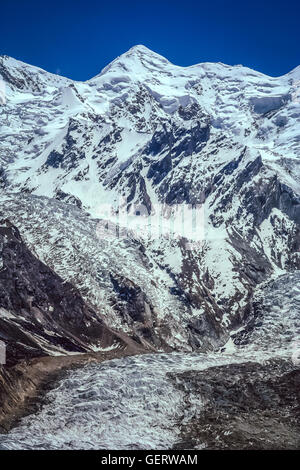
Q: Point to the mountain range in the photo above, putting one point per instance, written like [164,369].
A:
[144,133]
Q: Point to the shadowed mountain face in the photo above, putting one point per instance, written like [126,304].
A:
[40,313]
[146,132]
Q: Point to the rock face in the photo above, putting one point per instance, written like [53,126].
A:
[40,313]
[146,132]
[243,406]
[253,401]
[43,315]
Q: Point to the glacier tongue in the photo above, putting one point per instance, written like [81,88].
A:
[132,403]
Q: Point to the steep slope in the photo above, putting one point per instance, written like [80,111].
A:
[144,132]
[142,111]
[41,314]
[132,286]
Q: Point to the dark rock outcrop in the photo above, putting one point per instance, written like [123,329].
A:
[39,312]
[242,406]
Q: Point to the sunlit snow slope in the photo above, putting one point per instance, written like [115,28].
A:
[147,131]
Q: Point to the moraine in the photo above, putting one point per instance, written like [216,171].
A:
[136,403]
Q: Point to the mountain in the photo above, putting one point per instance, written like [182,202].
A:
[141,135]
[40,313]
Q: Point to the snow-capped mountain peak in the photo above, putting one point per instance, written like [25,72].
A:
[146,132]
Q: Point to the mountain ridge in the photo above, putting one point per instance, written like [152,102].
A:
[142,49]
[221,137]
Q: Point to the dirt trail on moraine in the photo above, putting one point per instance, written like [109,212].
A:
[23,386]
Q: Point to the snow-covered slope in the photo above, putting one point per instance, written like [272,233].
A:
[143,132]
[81,138]
[40,313]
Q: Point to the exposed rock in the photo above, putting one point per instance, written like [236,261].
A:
[247,406]
[39,312]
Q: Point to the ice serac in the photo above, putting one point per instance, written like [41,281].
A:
[41,314]
[149,132]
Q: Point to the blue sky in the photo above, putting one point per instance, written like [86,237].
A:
[78,38]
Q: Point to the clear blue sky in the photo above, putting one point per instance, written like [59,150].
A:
[78,38]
